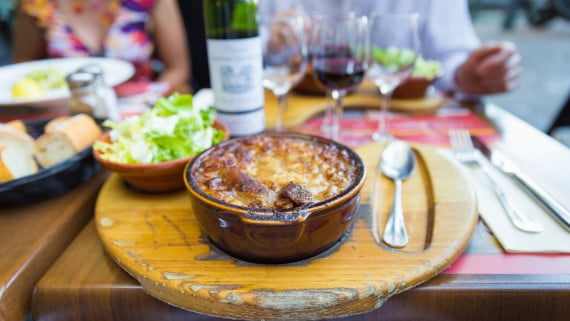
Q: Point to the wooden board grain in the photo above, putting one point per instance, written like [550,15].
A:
[156,239]
[300,108]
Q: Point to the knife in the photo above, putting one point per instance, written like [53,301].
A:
[505,165]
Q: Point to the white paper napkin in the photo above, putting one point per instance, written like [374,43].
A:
[554,239]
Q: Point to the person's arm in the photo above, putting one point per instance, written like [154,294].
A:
[171,45]
[448,37]
[28,43]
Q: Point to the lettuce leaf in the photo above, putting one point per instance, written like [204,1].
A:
[172,129]
[426,68]
[393,57]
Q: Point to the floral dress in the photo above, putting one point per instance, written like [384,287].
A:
[128,37]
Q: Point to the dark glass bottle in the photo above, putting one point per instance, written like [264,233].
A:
[235,59]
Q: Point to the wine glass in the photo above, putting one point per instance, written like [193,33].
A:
[339,53]
[285,57]
[394,44]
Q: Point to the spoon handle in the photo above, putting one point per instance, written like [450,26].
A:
[395,233]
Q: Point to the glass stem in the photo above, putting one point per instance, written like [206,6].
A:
[337,114]
[282,102]
[383,119]
[327,117]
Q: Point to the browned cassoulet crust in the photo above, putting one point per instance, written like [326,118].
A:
[275,172]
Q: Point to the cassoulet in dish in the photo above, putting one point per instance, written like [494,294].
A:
[277,173]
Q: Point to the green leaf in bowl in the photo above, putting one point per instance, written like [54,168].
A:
[393,57]
[426,68]
[173,129]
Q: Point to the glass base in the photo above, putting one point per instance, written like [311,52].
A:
[327,124]
[329,132]
[382,137]
[326,128]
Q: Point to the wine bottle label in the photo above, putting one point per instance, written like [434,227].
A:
[236,73]
[245,123]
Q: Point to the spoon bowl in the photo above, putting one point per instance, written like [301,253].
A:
[398,161]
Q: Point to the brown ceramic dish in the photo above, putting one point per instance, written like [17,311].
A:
[269,235]
[309,85]
[152,178]
[413,88]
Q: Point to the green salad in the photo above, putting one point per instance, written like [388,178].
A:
[426,68]
[393,57]
[396,58]
[172,129]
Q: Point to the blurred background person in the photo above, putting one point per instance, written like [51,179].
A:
[446,35]
[131,30]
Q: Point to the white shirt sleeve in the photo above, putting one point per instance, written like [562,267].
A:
[448,36]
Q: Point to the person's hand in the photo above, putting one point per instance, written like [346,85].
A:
[282,35]
[491,69]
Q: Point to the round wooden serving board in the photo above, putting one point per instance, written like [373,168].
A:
[156,239]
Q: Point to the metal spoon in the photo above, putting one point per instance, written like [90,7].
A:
[398,162]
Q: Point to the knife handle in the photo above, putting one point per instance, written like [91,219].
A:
[552,205]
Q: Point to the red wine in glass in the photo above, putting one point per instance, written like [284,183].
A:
[339,73]
[340,59]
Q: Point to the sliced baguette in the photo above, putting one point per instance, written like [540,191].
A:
[16,154]
[11,136]
[53,124]
[65,139]
[16,162]
[18,125]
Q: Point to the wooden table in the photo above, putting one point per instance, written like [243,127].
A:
[31,239]
[85,284]
[484,284]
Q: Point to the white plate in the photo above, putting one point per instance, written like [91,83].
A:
[115,72]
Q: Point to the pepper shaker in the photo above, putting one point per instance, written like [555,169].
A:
[83,94]
[106,94]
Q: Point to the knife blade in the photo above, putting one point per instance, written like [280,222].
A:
[505,165]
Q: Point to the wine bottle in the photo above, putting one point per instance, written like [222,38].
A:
[236,64]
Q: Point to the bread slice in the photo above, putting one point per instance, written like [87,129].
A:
[16,162]
[65,139]
[11,136]
[18,125]
[53,148]
[16,154]
[53,124]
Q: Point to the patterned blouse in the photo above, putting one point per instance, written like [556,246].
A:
[128,37]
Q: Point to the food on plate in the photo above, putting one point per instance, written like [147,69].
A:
[37,82]
[277,173]
[65,137]
[174,128]
[27,88]
[16,154]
